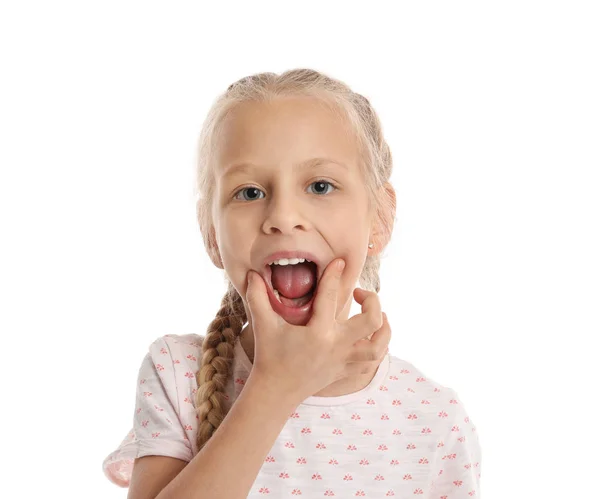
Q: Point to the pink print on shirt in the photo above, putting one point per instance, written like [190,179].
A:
[403,435]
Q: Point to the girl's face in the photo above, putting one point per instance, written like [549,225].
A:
[276,204]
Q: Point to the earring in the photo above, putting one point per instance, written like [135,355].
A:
[370,245]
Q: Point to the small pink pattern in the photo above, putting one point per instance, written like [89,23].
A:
[403,435]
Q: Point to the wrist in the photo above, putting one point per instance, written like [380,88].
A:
[272,391]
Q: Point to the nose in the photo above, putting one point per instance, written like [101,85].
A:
[283,214]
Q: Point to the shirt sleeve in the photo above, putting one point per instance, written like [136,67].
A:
[457,469]
[157,428]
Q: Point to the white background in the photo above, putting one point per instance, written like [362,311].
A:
[491,281]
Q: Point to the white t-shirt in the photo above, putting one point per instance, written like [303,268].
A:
[403,435]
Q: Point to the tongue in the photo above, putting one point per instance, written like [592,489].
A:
[293,281]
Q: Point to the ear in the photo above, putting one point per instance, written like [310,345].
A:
[384,217]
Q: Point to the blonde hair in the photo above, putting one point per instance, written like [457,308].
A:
[376,165]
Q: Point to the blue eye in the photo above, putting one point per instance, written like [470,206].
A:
[255,190]
[249,189]
[325,183]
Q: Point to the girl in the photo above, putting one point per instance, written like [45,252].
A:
[284,395]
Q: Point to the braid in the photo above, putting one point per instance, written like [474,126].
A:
[217,361]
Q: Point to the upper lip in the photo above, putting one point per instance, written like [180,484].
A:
[307,255]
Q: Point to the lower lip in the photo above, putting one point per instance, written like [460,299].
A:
[293,315]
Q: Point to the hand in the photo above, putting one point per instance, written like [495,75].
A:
[305,359]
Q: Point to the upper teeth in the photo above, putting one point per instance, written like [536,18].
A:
[289,261]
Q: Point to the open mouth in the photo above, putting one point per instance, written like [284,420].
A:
[296,301]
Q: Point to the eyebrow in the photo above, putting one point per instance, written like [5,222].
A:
[309,163]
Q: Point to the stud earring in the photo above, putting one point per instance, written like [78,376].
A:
[370,245]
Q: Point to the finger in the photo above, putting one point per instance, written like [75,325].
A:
[325,301]
[257,298]
[374,349]
[369,320]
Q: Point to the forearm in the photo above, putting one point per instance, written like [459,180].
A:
[229,462]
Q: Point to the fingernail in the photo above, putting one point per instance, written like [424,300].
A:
[340,264]
[249,278]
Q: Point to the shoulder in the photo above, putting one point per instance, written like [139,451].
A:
[413,379]
[173,360]
[164,422]
[176,347]
[420,392]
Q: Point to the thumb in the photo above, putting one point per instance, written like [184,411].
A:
[257,298]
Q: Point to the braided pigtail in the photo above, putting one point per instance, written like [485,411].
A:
[216,365]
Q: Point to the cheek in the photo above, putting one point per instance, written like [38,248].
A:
[355,262]
[235,234]
[351,244]
[235,244]
[348,219]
